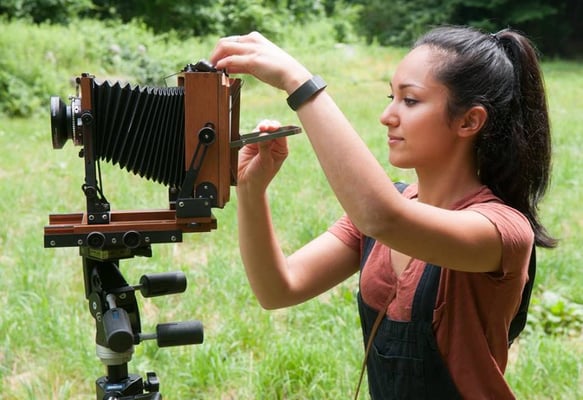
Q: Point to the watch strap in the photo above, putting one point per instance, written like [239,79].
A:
[306,91]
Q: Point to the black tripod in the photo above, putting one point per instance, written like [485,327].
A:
[112,302]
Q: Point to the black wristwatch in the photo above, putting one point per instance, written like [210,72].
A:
[306,91]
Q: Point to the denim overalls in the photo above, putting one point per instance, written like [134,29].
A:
[404,362]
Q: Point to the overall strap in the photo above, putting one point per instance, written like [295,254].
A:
[519,321]
[426,294]
[373,332]
[366,249]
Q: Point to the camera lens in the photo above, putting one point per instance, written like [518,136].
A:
[61,123]
[65,121]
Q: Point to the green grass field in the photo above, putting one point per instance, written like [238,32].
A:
[312,351]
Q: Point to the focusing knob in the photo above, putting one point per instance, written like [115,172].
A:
[96,240]
[207,134]
[132,239]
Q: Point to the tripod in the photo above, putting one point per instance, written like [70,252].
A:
[113,305]
[104,237]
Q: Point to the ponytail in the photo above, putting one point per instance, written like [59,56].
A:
[530,129]
[501,72]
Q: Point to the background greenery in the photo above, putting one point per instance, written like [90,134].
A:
[310,351]
[556,25]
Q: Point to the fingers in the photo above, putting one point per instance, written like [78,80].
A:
[233,38]
[252,37]
[268,125]
[224,47]
[252,54]
[255,55]
[275,150]
[235,45]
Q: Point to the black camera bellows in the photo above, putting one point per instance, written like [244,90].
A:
[141,129]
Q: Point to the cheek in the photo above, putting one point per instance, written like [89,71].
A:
[402,157]
[425,145]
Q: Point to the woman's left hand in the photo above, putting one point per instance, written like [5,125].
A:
[255,55]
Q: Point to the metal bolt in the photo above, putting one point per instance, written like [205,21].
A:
[104,217]
[147,239]
[173,238]
[113,240]
[91,217]
[80,242]
[53,243]
[180,204]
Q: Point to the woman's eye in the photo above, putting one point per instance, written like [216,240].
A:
[407,100]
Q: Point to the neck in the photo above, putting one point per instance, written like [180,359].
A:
[443,188]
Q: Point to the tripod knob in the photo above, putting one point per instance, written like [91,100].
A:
[162,284]
[118,330]
[152,384]
[179,333]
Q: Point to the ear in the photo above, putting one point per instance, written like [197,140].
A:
[472,121]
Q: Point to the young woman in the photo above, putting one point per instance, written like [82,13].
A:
[468,112]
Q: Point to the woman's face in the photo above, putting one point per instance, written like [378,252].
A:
[420,135]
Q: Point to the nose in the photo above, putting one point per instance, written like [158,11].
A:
[389,116]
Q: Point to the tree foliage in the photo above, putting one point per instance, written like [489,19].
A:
[56,11]
[212,17]
[554,25]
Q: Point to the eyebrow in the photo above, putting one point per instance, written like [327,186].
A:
[406,85]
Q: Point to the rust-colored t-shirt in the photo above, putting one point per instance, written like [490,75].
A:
[473,311]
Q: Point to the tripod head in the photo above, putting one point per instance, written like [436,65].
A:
[113,305]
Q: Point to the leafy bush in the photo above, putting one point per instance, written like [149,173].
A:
[26,74]
[402,22]
[54,55]
[555,315]
[56,11]
[210,17]
[552,24]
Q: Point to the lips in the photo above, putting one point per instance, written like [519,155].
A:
[395,139]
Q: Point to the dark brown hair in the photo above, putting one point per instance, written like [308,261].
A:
[501,72]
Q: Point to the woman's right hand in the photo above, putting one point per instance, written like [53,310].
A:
[259,162]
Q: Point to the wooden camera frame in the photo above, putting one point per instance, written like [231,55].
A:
[211,107]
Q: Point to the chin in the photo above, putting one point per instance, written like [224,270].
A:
[400,163]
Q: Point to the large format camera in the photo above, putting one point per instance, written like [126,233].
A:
[184,137]
[179,136]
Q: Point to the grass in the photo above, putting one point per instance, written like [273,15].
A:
[310,351]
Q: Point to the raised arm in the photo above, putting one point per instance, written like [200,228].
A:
[454,239]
